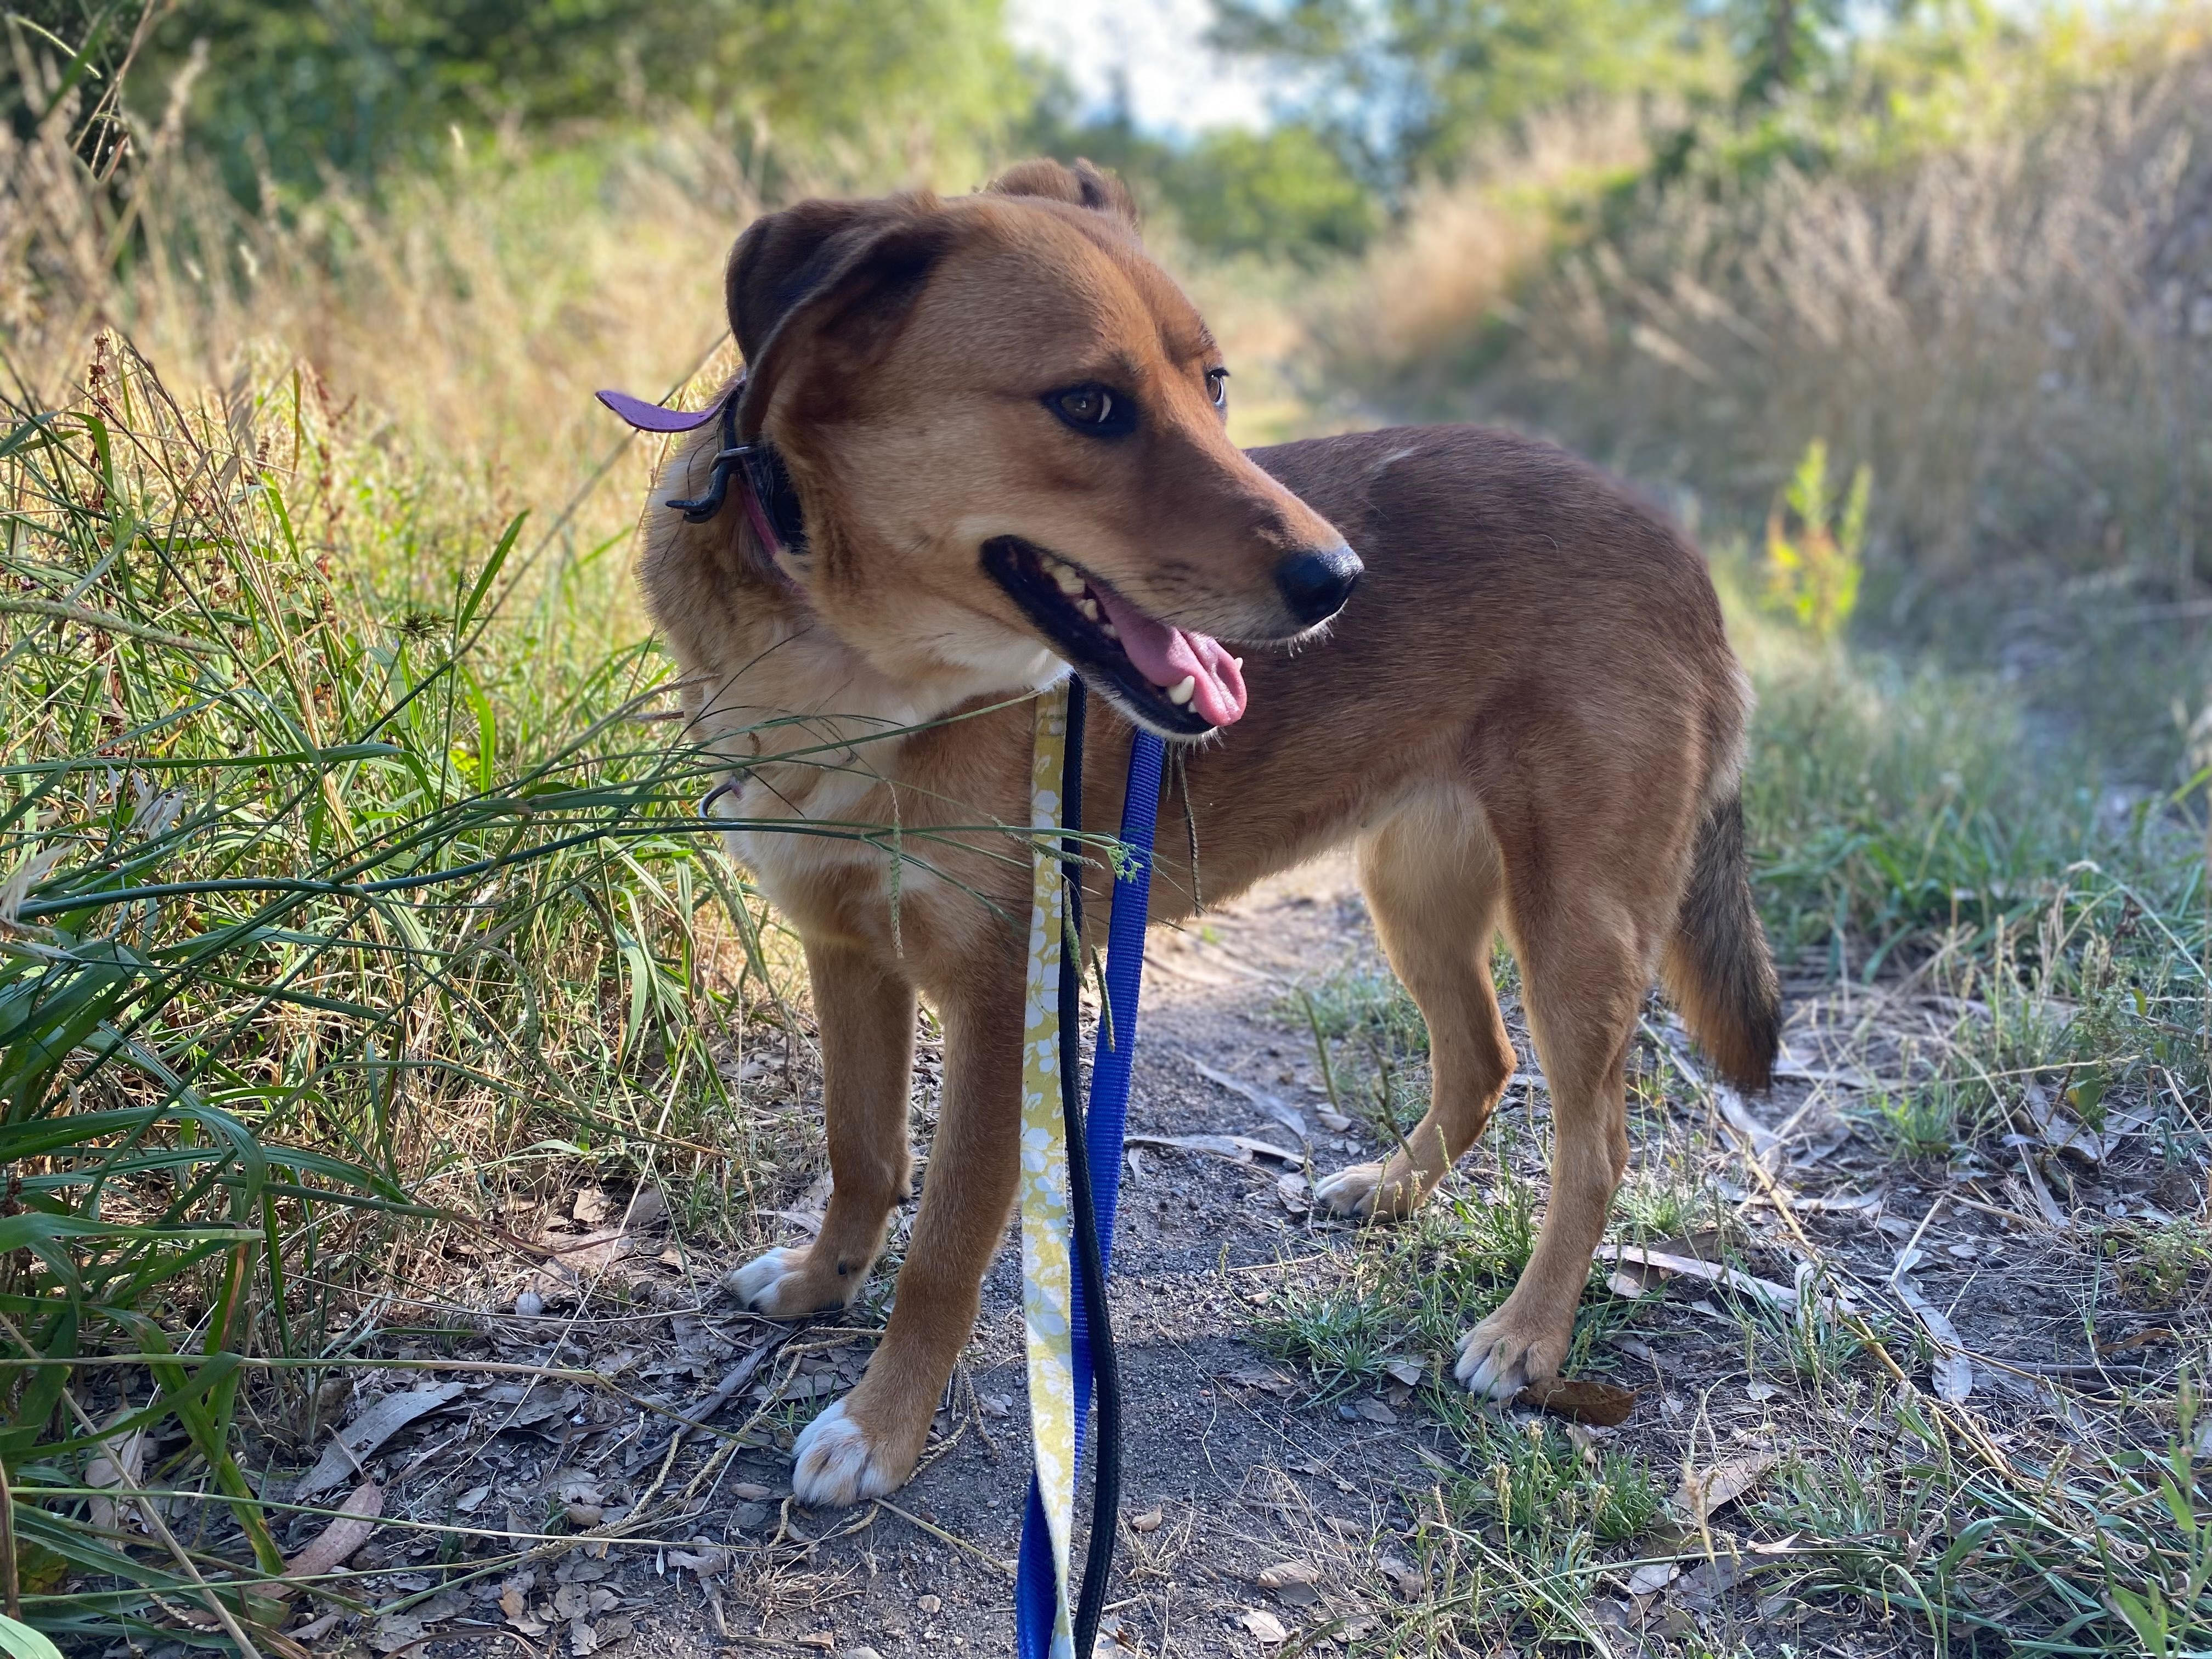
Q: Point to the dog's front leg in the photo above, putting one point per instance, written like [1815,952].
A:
[866,1017]
[868,1443]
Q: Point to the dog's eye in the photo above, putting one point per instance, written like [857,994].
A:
[1093,409]
[1217,382]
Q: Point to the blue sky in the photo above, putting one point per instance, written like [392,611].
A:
[1175,85]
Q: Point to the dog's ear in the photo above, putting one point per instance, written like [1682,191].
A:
[841,275]
[1083,185]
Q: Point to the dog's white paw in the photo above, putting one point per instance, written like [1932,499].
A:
[1351,1190]
[834,1463]
[772,1284]
[1498,1358]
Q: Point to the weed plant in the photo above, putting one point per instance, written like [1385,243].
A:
[348,884]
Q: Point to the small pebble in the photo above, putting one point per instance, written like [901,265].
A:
[928,1604]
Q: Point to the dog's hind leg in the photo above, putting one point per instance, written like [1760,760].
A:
[867,1062]
[1431,879]
[1587,940]
[868,1443]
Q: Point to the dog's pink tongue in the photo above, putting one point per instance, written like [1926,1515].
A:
[1167,656]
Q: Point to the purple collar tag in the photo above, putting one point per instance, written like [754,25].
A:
[652,417]
[734,462]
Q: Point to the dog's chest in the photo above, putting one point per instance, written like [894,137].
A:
[816,819]
[801,822]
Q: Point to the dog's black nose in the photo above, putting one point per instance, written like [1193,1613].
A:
[1315,585]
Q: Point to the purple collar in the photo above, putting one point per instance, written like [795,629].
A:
[770,504]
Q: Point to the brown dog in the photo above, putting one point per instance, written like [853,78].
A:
[1004,425]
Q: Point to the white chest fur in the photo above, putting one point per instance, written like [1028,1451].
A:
[810,736]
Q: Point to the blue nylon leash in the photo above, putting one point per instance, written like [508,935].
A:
[1036,1594]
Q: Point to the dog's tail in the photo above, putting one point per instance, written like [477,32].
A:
[1717,968]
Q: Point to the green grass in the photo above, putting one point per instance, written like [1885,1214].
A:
[347,891]
[1811,1341]
[1904,825]
[1364,1006]
[1539,1487]
[1921,1122]
[2159,1266]
[348,894]
[2103,1553]
[1412,1291]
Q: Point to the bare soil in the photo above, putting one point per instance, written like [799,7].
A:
[1235,1461]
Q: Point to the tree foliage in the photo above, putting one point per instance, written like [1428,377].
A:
[1405,88]
[293,91]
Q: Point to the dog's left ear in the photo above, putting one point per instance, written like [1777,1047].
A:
[1085,185]
[829,283]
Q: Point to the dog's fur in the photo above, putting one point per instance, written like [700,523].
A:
[1527,717]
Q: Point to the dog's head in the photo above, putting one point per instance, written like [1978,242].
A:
[1006,427]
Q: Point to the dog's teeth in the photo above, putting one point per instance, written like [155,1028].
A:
[1183,689]
[1239,661]
[1090,608]
[1109,630]
[1070,583]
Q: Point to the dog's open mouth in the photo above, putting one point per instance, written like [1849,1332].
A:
[1170,679]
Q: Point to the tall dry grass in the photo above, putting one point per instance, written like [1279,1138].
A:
[2015,333]
[1406,327]
[463,321]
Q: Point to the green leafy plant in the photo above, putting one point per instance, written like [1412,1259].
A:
[1816,550]
[1922,1119]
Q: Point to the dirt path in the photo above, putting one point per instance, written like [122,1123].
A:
[1227,1467]
[1343,1455]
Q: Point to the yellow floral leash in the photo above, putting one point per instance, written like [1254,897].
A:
[1047,1271]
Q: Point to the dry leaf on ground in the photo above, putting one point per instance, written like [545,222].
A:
[1606,1404]
[1264,1626]
[1705,1490]
[2058,1134]
[361,1436]
[1950,1371]
[1633,1277]
[1238,1147]
[395,1631]
[1407,1580]
[1295,1581]
[333,1547]
[120,1462]
[1282,1111]
[1631,1261]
